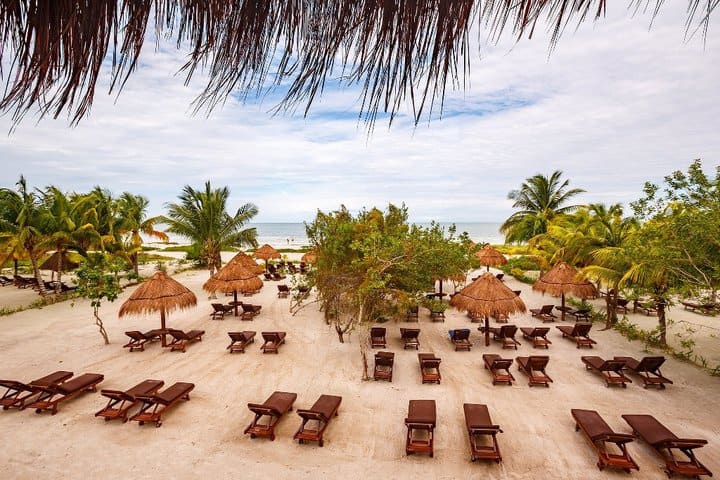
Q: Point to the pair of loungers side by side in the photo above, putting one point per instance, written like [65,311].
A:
[611,447]
[179,338]
[315,420]
[428,362]
[533,366]
[409,337]
[612,371]
[422,419]
[271,341]
[46,393]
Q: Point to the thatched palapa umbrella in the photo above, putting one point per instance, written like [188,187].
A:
[490,257]
[487,296]
[59,262]
[159,294]
[266,252]
[246,261]
[563,279]
[309,257]
[234,277]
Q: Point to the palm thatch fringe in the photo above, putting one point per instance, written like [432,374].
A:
[490,257]
[488,297]
[396,51]
[563,279]
[160,293]
[266,252]
[246,261]
[234,277]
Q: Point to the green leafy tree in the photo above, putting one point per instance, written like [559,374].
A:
[97,281]
[539,200]
[202,217]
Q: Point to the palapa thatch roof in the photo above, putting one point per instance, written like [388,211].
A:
[161,293]
[234,277]
[309,257]
[397,52]
[564,279]
[246,261]
[266,252]
[490,257]
[488,297]
[53,263]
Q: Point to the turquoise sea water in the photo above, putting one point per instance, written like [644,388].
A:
[292,235]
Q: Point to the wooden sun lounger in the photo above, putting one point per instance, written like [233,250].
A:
[538,335]
[621,305]
[499,367]
[707,308]
[409,337]
[505,335]
[377,337]
[240,340]
[273,340]
[648,369]
[601,437]
[17,393]
[581,314]
[544,313]
[534,367]
[277,405]
[5,280]
[182,339]
[250,311]
[611,370]
[460,337]
[668,445]
[139,339]
[51,395]
[648,308]
[161,403]
[429,368]
[384,366]
[412,314]
[579,332]
[480,427]
[220,310]
[120,402]
[283,291]
[317,418]
[420,424]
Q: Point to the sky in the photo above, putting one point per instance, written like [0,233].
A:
[615,104]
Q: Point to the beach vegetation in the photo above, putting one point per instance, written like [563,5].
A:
[97,280]
[201,216]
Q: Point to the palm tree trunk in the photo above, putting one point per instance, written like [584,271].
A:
[15,266]
[611,305]
[136,267]
[660,302]
[38,278]
[58,288]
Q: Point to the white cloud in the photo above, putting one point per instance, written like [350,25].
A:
[614,105]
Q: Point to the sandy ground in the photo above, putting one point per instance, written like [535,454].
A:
[205,435]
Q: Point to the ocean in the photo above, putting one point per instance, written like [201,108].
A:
[292,235]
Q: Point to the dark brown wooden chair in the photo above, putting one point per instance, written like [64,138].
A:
[579,332]
[250,311]
[505,335]
[429,368]
[544,313]
[220,310]
[182,339]
[283,291]
[54,393]
[706,308]
[611,370]
[139,339]
[648,308]
[534,367]
[409,337]
[273,340]
[154,406]
[377,337]
[499,367]
[648,369]
[17,393]
[668,446]
[460,337]
[240,340]
[482,433]
[412,314]
[277,405]
[601,437]
[120,402]
[420,423]
[317,418]
[621,305]
[384,366]
[538,335]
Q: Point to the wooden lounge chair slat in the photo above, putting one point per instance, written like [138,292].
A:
[599,435]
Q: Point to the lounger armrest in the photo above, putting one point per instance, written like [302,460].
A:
[617,438]
[13,384]
[684,443]
[312,415]
[415,424]
[486,429]
[149,399]
[116,395]
[262,409]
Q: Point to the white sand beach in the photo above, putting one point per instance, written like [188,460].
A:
[204,436]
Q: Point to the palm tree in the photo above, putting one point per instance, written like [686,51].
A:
[201,217]
[23,235]
[539,199]
[134,221]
